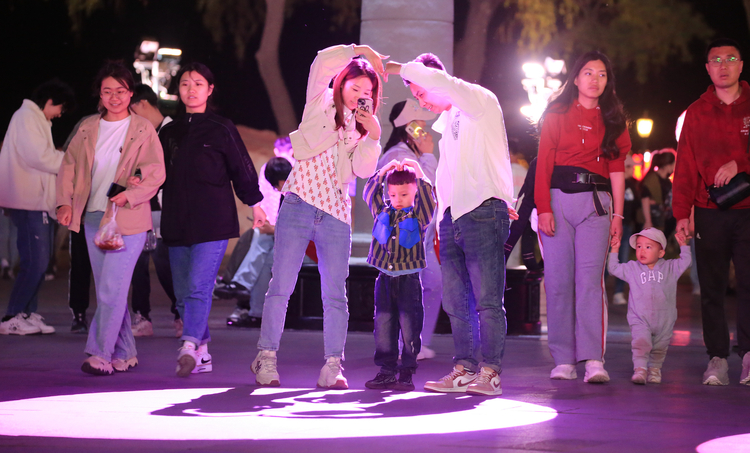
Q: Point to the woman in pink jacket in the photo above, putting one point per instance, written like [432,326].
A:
[108,149]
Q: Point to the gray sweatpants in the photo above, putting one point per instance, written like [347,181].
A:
[574,261]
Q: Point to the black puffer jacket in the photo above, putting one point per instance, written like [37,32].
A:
[204,156]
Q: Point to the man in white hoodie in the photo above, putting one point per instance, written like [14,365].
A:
[28,165]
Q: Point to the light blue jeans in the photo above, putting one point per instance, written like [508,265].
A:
[110,336]
[298,224]
[254,272]
[473,265]
[194,270]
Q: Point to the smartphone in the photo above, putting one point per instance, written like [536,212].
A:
[138,173]
[365,104]
[415,130]
[115,189]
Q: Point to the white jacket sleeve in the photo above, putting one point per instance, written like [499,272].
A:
[365,157]
[326,66]
[467,97]
[34,145]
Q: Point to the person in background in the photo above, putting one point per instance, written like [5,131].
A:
[402,145]
[98,175]
[656,192]
[207,163]
[28,165]
[145,104]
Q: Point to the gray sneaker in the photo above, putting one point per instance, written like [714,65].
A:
[745,376]
[717,372]
[264,367]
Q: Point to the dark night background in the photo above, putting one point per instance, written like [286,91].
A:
[38,44]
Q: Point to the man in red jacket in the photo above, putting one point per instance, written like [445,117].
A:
[713,148]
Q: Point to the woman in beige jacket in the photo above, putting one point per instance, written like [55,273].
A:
[106,149]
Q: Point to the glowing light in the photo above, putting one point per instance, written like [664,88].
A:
[533,70]
[149,47]
[678,128]
[533,112]
[229,413]
[170,52]
[680,338]
[731,444]
[554,67]
[647,157]
[644,126]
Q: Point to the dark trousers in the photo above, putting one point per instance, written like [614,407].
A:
[141,296]
[398,307]
[79,283]
[721,236]
[238,255]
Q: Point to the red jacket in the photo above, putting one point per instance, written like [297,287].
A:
[712,135]
[574,138]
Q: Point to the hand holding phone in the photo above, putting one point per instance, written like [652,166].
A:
[415,130]
[364,104]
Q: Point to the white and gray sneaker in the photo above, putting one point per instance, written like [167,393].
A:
[142,327]
[717,372]
[203,362]
[264,368]
[331,376]
[35,319]
[745,376]
[186,359]
[18,325]
[595,372]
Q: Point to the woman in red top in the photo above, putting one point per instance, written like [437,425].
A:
[580,185]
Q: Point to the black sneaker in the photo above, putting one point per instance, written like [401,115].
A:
[382,381]
[404,383]
[79,324]
[232,290]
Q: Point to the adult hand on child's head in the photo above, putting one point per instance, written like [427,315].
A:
[414,165]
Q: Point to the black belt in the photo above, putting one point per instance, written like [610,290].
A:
[576,180]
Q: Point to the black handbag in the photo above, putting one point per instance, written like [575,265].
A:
[731,193]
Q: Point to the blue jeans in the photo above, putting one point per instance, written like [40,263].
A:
[34,246]
[110,336]
[398,307]
[254,272]
[473,266]
[297,225]
[194,270]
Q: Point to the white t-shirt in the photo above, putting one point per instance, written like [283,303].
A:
[106,156]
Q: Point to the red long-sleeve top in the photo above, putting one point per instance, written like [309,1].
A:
[713,134]
[574,138]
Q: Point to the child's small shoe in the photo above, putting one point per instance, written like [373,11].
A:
[654,375]
[639,376]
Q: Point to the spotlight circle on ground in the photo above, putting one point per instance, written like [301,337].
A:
[730,444]
[237,414]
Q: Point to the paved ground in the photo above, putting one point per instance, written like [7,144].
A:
[48,405]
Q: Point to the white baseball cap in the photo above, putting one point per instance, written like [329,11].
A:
[412,112]
[652,233]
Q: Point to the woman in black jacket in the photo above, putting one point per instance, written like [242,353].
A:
[205,158]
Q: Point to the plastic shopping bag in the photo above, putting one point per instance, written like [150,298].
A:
[109,236]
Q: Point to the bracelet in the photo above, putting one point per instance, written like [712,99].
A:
[619,215]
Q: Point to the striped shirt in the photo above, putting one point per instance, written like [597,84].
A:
[392,258]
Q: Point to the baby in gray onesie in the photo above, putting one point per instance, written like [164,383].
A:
[652,304]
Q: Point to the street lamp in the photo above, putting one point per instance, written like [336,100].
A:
[540,83]
[644,126]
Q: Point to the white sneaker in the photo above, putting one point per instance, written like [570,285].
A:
[654,375]
[487,383]
[619,299]
[565,371]
[425,353]
[35,319]
[454,382]
[717,372]
[124,365]
[745,376]
[331,376]
[18,325]
[595,372]
[142,327]
[186,359]
[639,376]
[203,362]
[264,368]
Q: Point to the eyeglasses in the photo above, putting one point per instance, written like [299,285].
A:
[730,61]
[117,93]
